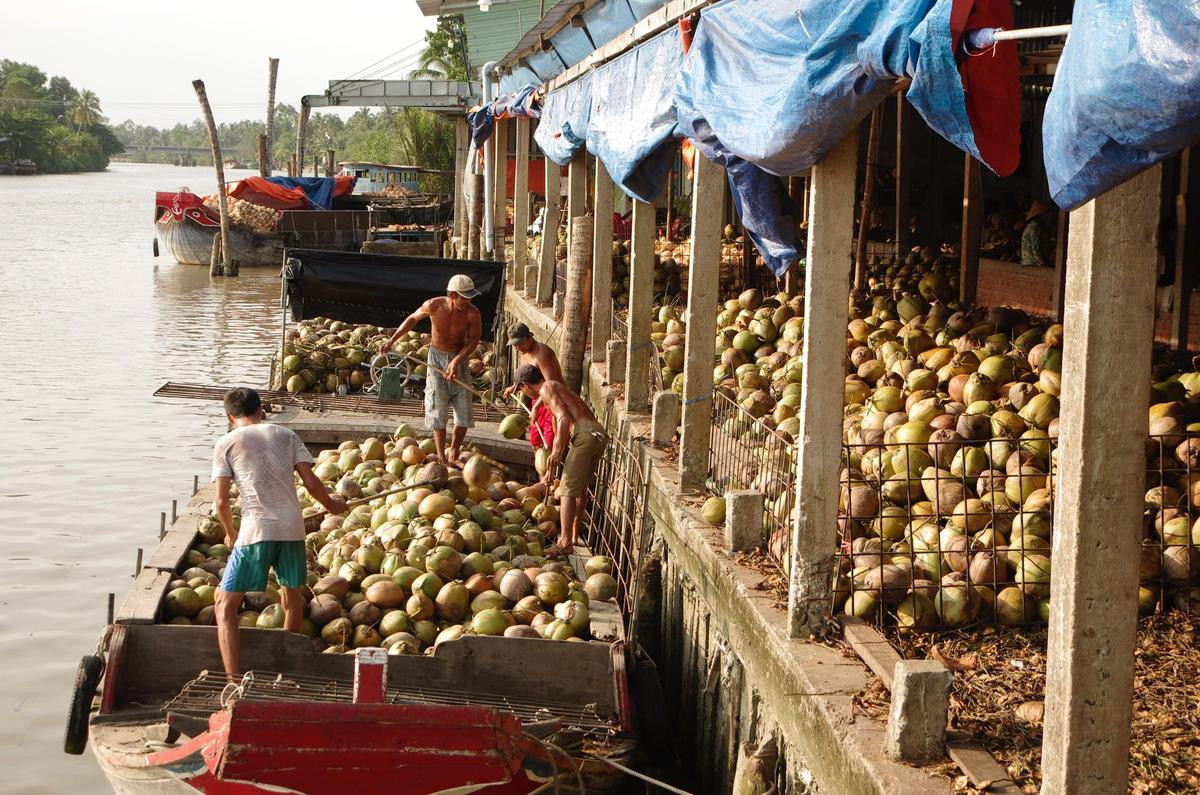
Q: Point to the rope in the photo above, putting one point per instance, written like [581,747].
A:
[642,776]
[697,399]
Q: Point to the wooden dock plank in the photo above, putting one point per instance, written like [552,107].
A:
[140,605]
[876,652]
[172,548]
[981,768]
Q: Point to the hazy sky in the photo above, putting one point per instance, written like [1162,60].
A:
[141,57]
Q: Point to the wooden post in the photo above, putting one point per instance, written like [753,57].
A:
[699,346]
[830,240]
[904,131]
[475,223]
[576,192]
[578,298]
[1182,289]
[301,134]
[228,268]
[868,199]
[1111,265]
[330,163]
[461,212]
[264,168]
[294,167]
[1060,266]
[500,196]
[641,300]
[545,285]
[670,202]
[972,228]
[602,243]
[260,146]
[521,202]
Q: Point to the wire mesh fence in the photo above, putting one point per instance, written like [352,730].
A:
[616,519]
[745,454]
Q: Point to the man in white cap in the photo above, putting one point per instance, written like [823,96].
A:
[456,330]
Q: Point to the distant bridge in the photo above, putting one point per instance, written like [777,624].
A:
[177,150]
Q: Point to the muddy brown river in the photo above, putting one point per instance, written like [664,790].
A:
[88,458]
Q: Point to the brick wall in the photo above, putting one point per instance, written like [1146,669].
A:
[1032,289]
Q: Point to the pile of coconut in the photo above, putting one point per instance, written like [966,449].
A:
[418,564]
[322,355]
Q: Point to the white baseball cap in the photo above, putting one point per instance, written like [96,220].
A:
[463,285]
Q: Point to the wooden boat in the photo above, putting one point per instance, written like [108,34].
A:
[186,227]
[498,716]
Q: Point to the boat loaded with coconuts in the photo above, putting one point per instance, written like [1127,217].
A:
[441,650]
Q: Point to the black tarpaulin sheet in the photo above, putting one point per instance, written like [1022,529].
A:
[382,289]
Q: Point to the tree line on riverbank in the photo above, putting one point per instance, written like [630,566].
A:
[51,122]
[407,136]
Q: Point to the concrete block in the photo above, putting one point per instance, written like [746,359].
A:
[743,520]
[614,354]
[531,278]
[916,728]
[664,417]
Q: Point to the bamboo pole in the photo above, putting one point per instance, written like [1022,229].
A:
[301,133]
[227,268]
[273,70]
[868,199]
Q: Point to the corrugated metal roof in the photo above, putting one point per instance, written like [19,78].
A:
[493,33]
[553,16]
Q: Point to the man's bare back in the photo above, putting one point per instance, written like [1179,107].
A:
[562,402]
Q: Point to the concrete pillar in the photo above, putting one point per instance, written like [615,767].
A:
[699,348]
[531,279]
[1111,260]
[615,356]
[461,149]
[641,298]
[664,417]
[602,239]
[743,520]
[830,241]
[916,727]
[521,201]
[545,282]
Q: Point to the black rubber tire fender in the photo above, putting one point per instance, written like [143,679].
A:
[87,679]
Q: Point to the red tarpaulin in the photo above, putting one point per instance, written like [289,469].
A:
[268,194]
[537,176]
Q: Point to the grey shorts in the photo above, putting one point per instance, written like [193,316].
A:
[441,395]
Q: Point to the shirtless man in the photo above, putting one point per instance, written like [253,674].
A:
[574,422]
[539,354]
[456,330]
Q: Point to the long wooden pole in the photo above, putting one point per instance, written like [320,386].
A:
[301,133]
[227,267]
[868,199]
[273,72]
[972,230]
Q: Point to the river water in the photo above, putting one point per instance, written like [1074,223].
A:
[88,458]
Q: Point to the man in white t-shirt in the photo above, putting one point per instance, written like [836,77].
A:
[260,458]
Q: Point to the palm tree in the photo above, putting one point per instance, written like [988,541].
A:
[423,139]
[84,110]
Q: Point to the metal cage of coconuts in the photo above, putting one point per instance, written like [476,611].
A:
[745,453]
[617,523]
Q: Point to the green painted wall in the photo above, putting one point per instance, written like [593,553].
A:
[492,35]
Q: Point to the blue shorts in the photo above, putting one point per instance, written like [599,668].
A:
[249,565]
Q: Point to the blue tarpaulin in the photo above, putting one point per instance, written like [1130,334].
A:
[779,83]
[564,125]
[608,19]
[1126,94]
[771,86]
[319,191]
[632,120]
[521,102]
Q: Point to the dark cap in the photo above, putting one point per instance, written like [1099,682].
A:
[518,334]
[528,374]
